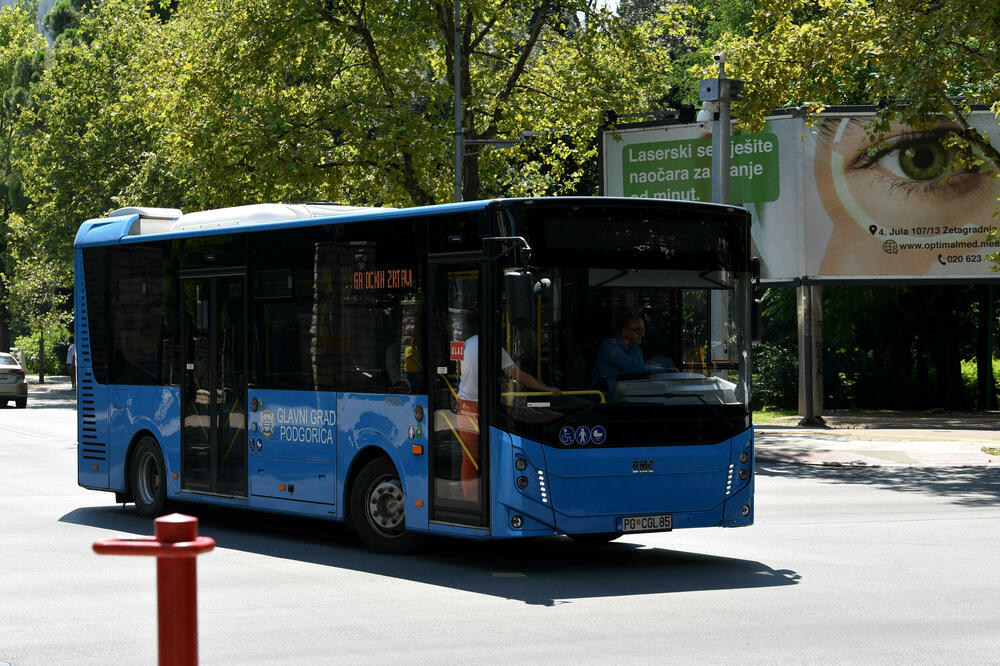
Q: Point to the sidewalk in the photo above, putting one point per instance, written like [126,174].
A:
[923,439]
[55,392]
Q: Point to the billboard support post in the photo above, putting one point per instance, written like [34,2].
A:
[810,325]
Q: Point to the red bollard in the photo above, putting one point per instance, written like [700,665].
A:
[175,545]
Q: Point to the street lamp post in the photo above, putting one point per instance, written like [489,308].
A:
[460,141]
[459,128]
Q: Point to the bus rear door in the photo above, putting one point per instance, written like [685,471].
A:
[214,411]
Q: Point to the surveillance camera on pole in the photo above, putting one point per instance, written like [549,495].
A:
[716,96]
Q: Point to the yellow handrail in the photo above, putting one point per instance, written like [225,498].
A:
[448,384]
[529,394]
[454,431]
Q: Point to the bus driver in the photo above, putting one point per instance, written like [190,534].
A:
[622,354]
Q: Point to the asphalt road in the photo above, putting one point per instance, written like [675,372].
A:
[844,565]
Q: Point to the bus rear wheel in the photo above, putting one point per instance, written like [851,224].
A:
[148,478]
[378,509]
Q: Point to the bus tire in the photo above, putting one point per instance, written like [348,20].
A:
[595,538]
[148,478]
[378,509]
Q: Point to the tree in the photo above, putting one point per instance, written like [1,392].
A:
[38,292]
[21,59]
[352,100]
[84,139]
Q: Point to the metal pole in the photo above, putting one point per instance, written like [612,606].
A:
[721,130]
[459,129]
[175,545]
[177,593]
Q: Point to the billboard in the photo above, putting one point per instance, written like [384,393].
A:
[827,203]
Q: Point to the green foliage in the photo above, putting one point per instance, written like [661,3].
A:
[56,344]
[970,380]
[63,16]
[776,377]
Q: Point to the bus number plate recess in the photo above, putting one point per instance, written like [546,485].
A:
[663,522]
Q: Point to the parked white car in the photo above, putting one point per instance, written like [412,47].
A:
[12,382]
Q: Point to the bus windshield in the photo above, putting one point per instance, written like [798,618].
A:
[642,353]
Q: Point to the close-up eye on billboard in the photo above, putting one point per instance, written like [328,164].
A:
[830,202]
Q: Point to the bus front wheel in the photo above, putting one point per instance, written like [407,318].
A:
[378,509]
[148,478]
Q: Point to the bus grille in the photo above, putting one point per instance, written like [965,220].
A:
[90,446]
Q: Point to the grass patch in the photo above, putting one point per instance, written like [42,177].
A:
[768,415]
[991,450]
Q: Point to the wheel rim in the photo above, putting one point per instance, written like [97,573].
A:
[147,478]
[386,508]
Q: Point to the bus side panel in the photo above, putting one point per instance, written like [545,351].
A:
[144,408]
[93,445]
[292,439]
[388,422]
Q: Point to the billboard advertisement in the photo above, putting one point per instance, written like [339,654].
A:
[827,203]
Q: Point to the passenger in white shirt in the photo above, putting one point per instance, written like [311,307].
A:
[468,407]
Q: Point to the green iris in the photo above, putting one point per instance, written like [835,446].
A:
[925,160]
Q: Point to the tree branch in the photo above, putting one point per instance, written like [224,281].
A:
[536,29]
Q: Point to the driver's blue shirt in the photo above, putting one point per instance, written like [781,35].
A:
[613,359]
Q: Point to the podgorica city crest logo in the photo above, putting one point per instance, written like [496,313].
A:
[266,423]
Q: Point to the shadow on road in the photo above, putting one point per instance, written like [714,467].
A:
[965,486]
[542,572]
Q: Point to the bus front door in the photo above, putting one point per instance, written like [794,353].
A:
[214,413]
[459,437]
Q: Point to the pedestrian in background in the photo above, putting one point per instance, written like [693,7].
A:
[71,362]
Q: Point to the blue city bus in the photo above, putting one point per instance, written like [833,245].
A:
[322,360]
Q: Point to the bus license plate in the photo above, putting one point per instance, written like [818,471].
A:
[663,522]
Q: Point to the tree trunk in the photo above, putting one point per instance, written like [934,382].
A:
[986,382]
[41,356]
[4,328]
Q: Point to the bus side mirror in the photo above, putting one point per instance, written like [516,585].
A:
[519,286]
[756,321]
